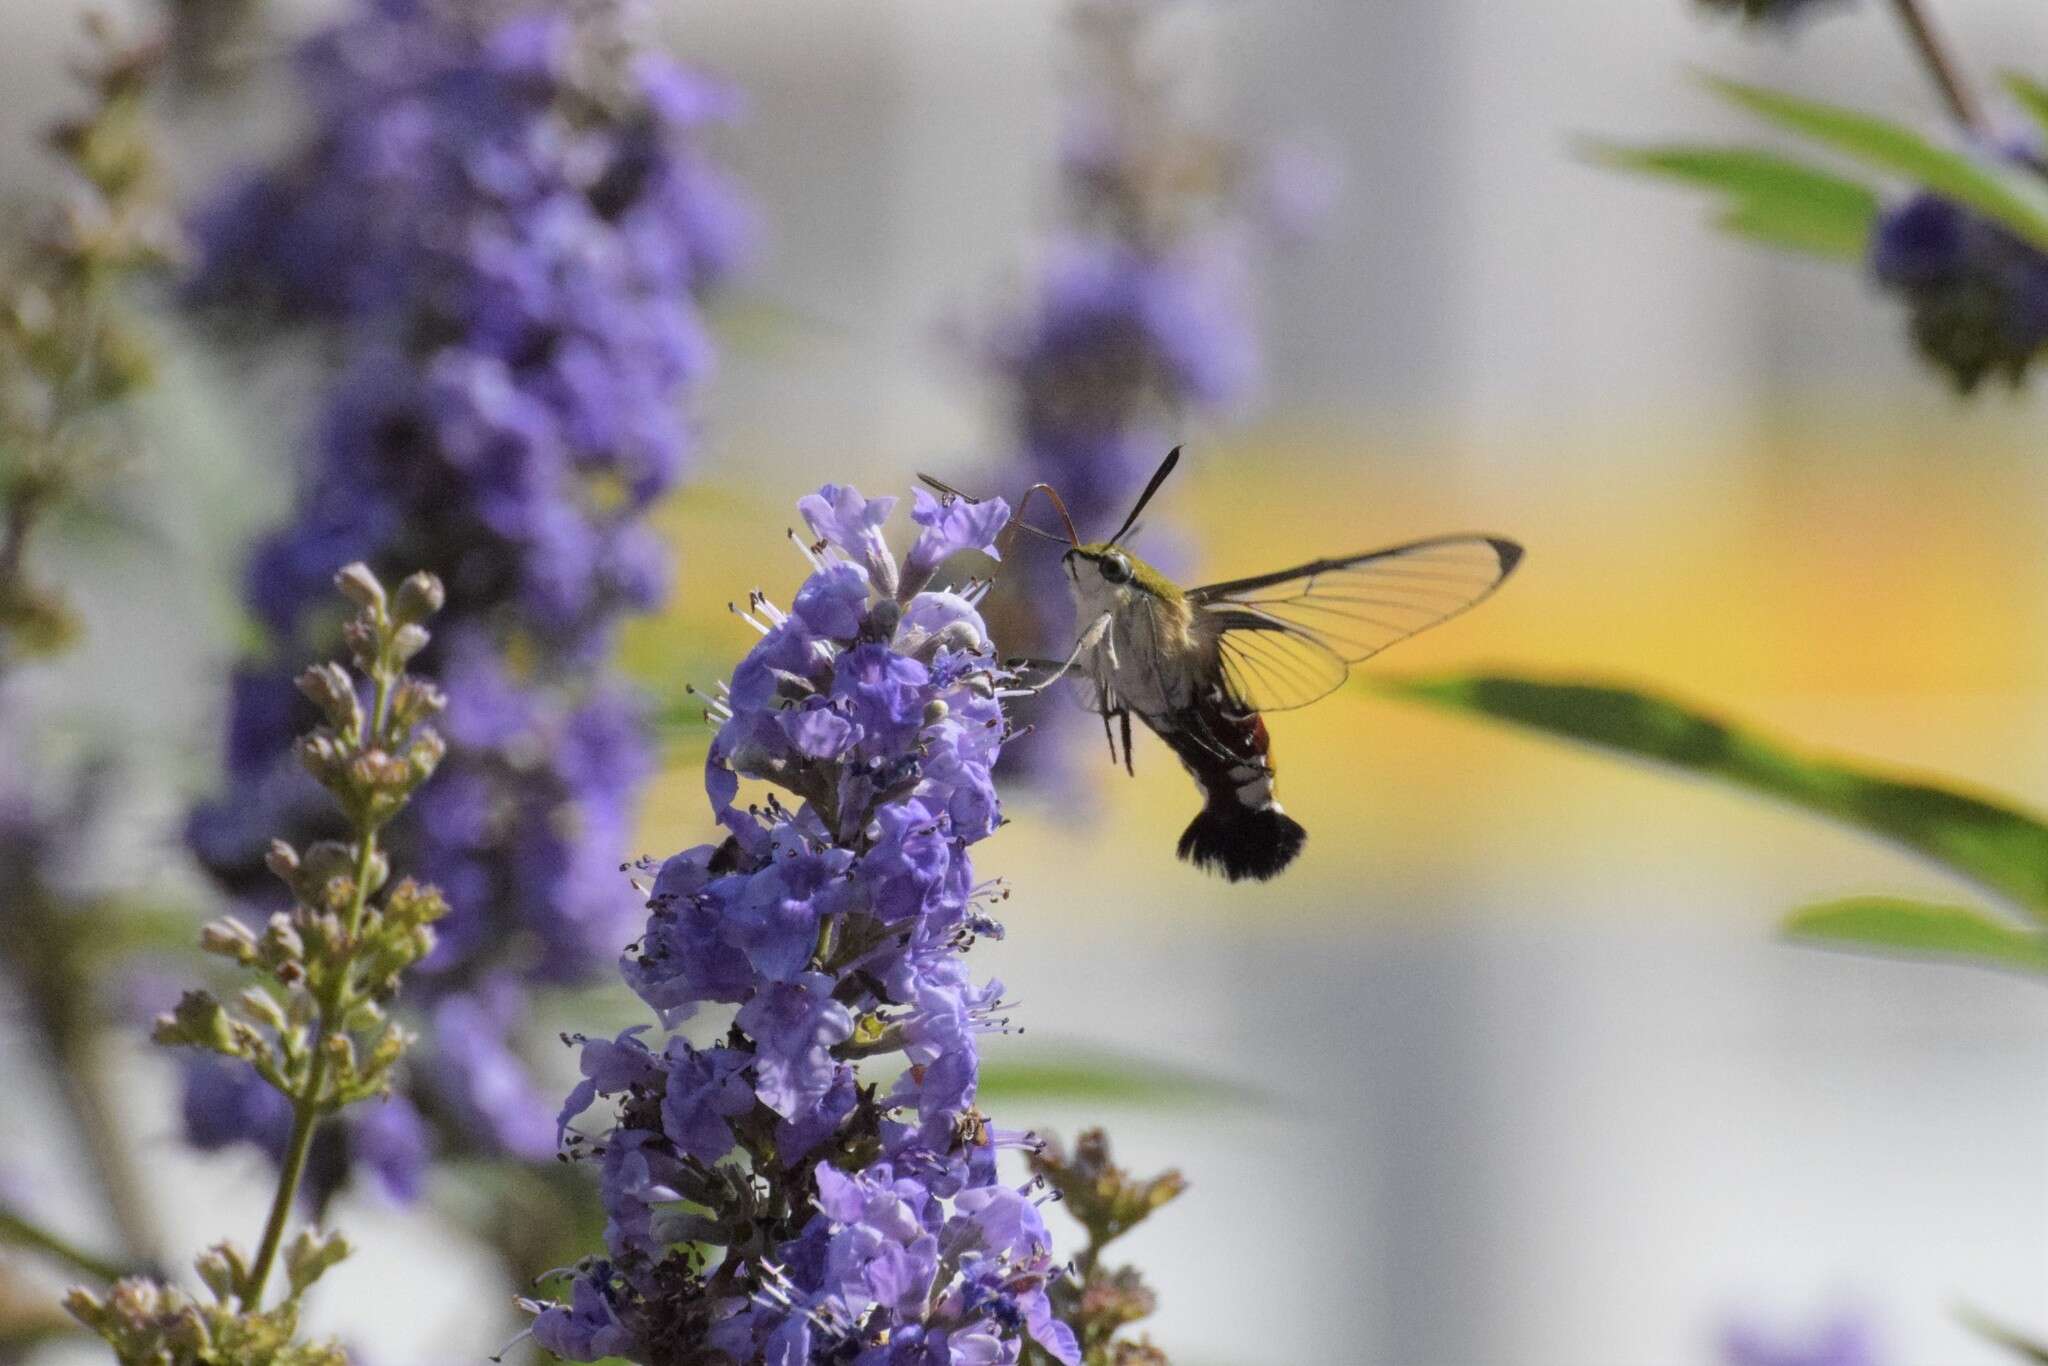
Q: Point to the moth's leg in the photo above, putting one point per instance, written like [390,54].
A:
[1090,638]
[1122,716]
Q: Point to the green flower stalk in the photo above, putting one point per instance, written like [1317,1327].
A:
[69,355]
[313,1024]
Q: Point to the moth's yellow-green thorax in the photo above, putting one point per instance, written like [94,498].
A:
[1113,567]
[1148,653]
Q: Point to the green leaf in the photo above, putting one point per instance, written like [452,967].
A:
[2015,197]
[2020,1345]
[1084,1075]
[1772,198]
[17,1230]
[1994,844]
[1883,922]
[2030,94]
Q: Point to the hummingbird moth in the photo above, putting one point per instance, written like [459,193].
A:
[1199,667]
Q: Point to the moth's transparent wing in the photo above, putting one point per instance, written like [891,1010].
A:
[1272,667]
[1290,637]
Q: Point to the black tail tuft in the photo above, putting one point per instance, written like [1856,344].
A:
[1241,841]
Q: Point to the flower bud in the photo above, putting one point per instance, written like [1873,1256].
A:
[412,903]
[419,597]
[281,942]
[341,1052]
[222,1270]
[229,938]
[198,1021]
[409,640]
[283,862]
[322,756]
[390,1046]
[427,751]
[365,644]
[309,1255]
[260,1006]
[330,689]
[415,701]
[360,586]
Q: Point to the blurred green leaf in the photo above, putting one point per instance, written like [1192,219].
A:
[17,1230]
[1883,922]
[2014,197]
[1995,845]
[1770,197]
[2030,94]
[1104,1077]
[2026,1348]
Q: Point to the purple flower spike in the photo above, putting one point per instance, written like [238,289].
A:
[854,1222]
[503,220]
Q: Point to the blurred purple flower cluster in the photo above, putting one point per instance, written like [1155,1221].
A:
[1976,294]
[505,225]
[1844,1341]
[855,1222]
[1137,313]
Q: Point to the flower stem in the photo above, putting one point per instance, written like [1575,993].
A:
[27,1233]
[307,1105]
[120,1185]
[1935,56]
[57,985]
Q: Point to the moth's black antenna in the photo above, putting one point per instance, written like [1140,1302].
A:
[1017,522]
[1158,478]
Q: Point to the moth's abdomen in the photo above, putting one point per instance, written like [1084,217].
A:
[1241,831]
[1242,842]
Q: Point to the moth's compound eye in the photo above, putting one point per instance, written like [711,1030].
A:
[1116,569]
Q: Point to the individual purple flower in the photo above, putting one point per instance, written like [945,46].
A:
[946,527]
[851,1224]
[706,1090]
[852,525]
[503,222]
[588,1328]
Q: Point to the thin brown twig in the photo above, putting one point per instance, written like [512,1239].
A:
[1941,66]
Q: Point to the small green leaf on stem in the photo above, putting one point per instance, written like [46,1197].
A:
[1913,927]
[1772,198]
[2010,194]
